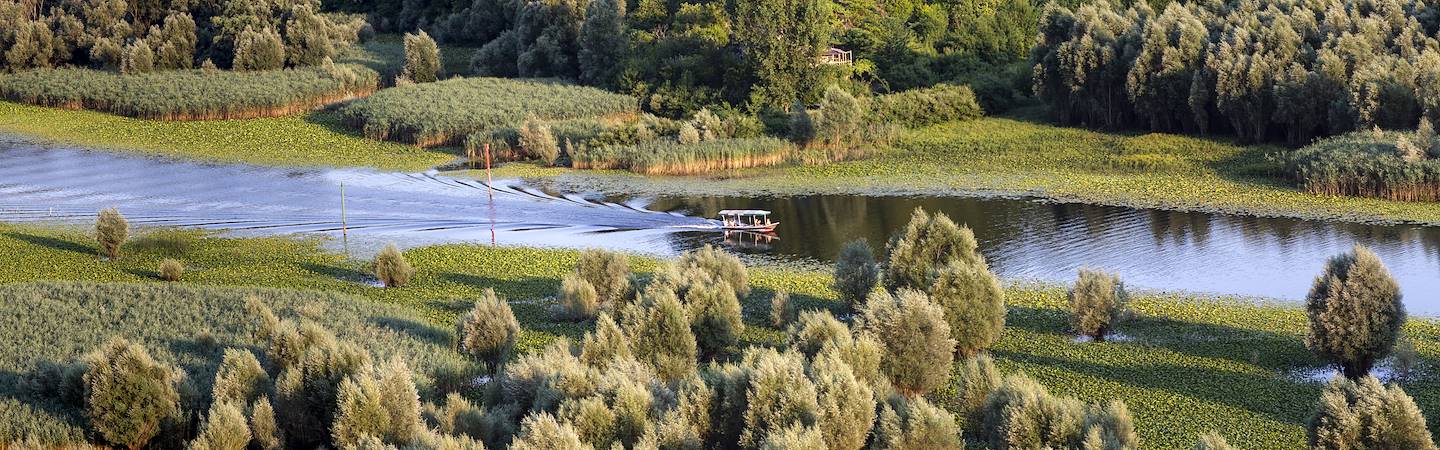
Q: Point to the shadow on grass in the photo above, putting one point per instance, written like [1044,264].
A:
[57,244]
[336,272]
[421,331]
[521,290]
[1267,350]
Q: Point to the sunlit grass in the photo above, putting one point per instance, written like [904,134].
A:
[1191,364]
[316,139]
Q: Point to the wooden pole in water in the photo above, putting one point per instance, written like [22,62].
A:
[344,222]
[489,183]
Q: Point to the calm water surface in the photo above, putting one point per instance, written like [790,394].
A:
[1023,239]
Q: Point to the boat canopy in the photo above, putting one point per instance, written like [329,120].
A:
[744,212]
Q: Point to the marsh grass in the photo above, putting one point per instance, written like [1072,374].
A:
[191,94]
[1365,164]
[445,112]
[669,157]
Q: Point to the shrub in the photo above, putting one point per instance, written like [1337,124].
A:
[974,305]
[926,244]
[138,58]
[578,300]
[1364,414]
[779,394]
[1355,312]
[969,386]
[608,272]
[1096,303]
[542,432]
[841,117]
[920,107]
[1213,441]
[856,273]
[802,126]
[816,330]
[391,267]
[306,392]
[606,344]
[847,403]
[129,395]
[714,318]
[489,331]
[262,425]
[537,141]
[240,379]
[171,270]
[1022,414]
[1367,164]
[259,50]
[224,429]
[422,58]
[782,312]
[663,338]
[721,266]
[915,424]
[445,112]
[916,339]
[688,134]
[795,437]
[381,402]
[709,126]
[308,38]
[111,230]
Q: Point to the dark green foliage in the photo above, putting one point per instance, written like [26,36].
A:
[802,124]
[856,273]
[927,245]
[191,94]
[604,42]
[1097,303]
[841,118]
[782,312]
[129,396]
[1364,414]
[174,42]
[258,50]
[1355,312]
[489,331]
[391,268]
[1369,164]
[422,58]
[111,230]
[928,106]
[974,304]
[916,339]
[608,272]
[308,40]
[914,424]
[780,39]
[171,270]
[1268,71]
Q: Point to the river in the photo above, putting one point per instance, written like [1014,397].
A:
[1022,239]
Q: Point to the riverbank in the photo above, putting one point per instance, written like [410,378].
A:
[1190,364]
[1018,156]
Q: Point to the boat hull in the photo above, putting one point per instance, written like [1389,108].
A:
[753,228]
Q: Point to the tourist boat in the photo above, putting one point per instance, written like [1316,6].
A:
[754,220]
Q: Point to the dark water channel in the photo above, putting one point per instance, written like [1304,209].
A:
[1023,239]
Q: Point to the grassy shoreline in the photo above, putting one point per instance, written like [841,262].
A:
[1189,365]
[995,157]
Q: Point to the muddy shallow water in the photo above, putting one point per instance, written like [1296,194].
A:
[1023,239]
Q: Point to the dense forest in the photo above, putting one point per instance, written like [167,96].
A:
[141,36]
[1265,70]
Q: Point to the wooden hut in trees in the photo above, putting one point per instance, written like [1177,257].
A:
[836,56]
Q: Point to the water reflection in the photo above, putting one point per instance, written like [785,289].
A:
[1198,252]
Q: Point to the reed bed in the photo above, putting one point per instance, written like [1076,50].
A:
[928,106]
[668,157]
[190,95]
[445,112]
[1364,164]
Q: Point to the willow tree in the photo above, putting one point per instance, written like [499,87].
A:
[781,39]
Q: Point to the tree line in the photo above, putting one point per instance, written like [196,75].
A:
[140,36]
[1264,70]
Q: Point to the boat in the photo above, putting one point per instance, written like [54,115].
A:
[753,220]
